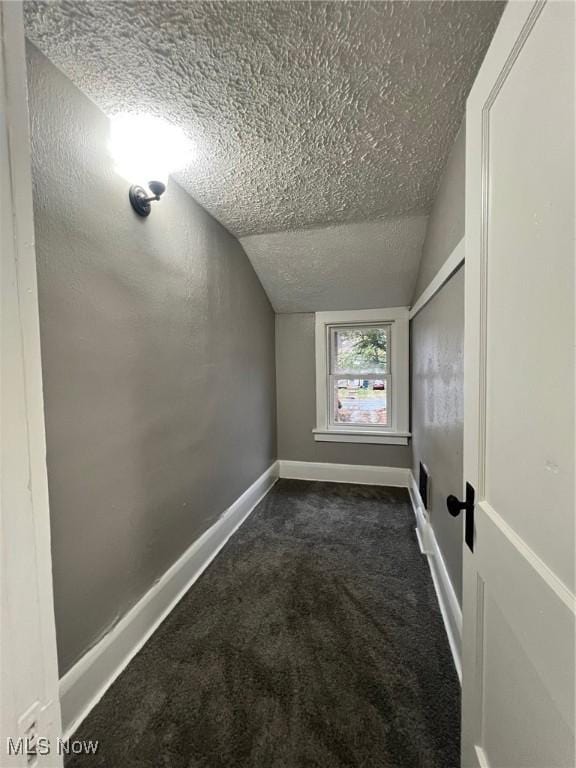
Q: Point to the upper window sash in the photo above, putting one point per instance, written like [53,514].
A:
[380,368]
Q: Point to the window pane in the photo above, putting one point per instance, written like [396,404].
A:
[360,350]
[360,401]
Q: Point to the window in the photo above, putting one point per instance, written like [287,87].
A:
[362,376]
[359,373]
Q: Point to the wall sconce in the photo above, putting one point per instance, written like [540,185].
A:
[139,197]
[145,147]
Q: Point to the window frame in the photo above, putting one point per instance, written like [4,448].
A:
[332,331]
[396,433]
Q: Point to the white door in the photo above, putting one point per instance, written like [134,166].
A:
[519,604]
[29,703]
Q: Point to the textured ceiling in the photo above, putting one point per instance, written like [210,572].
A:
[302,114]
[348,266]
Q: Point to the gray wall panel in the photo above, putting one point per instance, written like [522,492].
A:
[446,222]
[296,388]
[158,364]
[437,348]
[437,352]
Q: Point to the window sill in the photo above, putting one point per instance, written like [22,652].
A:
[360,436]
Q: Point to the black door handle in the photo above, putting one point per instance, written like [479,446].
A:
[455,506]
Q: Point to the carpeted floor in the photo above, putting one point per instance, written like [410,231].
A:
[313,639]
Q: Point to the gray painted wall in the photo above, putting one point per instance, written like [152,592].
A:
[437,348]
[158,363]
[296,403]
[446,222]
[438,412]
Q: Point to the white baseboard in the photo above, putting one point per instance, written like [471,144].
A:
[345,473]
[84,685]
[447,600]
[423,527]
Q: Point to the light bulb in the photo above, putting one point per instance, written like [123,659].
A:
[146,148]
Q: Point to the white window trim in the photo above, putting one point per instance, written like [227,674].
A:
[397,433]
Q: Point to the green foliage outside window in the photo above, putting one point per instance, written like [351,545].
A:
[363,349]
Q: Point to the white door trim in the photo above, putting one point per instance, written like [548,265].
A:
[28,653]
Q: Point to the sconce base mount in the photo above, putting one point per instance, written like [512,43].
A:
[140,200]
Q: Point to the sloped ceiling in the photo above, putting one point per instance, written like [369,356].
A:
[303,115]
[309,270]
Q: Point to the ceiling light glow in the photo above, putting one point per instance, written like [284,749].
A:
[146,148]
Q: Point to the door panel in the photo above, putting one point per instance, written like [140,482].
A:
[532,600]
[519,605]
[530,403]
[517,696]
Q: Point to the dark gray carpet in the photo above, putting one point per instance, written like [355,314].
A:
[313,639]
